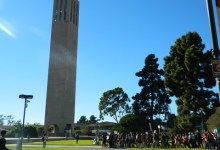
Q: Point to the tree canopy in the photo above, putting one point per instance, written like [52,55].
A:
[188,77]
[114,103]
[153,99]
[129,123]
[92,119]
[82,120]
[7,120]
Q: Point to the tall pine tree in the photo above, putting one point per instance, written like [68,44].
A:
[153,99]
[188,77]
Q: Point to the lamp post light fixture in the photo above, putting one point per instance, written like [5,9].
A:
[159,128]
[25,97]
[202,123]
[97,132]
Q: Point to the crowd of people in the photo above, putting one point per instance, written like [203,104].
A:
[208,140]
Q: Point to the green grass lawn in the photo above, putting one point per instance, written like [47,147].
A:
[37,146]
[165,149]
[67,142]
[71,148]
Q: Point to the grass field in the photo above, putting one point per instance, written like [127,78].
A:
[39,148]
[72,148]
[67,142]
[60,145]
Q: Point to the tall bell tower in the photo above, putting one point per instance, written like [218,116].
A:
[60,101]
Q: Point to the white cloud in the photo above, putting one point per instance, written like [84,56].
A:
[6,29]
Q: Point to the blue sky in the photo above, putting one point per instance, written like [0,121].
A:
[115,37]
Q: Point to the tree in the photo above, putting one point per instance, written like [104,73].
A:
[15,131]
[213,121]
[153,99]
[37,124]
[89,129]
[40,130]
[130,123]
[188,77]
[30,130]
[2,118]
[171,121]
[82,120]
[10,120]
[114,103]
[92,119]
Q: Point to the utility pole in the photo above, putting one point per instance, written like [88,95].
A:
[216,60]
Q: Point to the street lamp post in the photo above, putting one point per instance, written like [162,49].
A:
[97,132]
[25,97]
[202,124]
[159,128]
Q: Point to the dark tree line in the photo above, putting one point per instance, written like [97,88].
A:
[84,120]
[186,77]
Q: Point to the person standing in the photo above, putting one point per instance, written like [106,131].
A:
[28,138]
[104,140]
[44,140]
[67,134]
[3,141]
[77,138]
[111,140]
